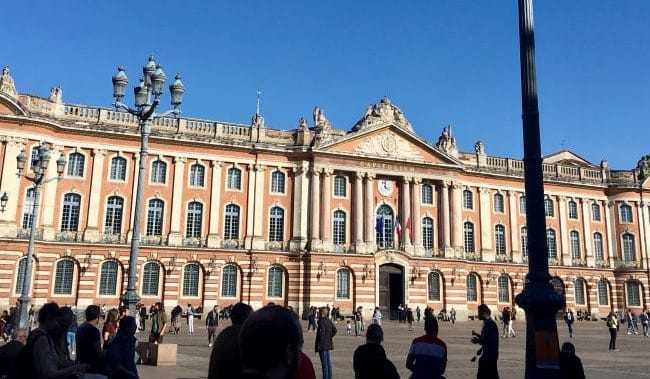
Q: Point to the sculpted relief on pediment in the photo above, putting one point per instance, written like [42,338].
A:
[388,145]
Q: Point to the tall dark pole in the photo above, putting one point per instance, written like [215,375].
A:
[538,298]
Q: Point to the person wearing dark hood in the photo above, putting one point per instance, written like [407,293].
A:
[570,364]
[370,361]
[120,356]
[225,362]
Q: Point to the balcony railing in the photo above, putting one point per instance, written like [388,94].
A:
[151,240]
[194,242]
[601,263]
[553,262]
[113,238]
[68,236]
[232,244]
[577,262]
[503,258]
[342,248]
[384,245]
[24,233]
[472,256]
[277,246]
[626,265]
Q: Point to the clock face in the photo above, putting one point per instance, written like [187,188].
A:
[385,186]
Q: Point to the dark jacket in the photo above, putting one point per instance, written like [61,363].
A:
[571,366]
[224,359]
[8,355]
[121,356]
[326,330]
[370,362]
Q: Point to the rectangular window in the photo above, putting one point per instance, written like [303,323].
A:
[343,284]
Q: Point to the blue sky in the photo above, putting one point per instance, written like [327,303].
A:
[442,61]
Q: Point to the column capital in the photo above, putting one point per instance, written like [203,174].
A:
[180,160]
[260,167]
[16,142]
[99,152]
[328,171]
[360,175]
[455,184]
[315,171]
[562,199]
[417,180]
[407,179]
[370,176]
[484,190]
[216,163]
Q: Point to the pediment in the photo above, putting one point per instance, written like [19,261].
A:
[9,106]
[568,158]
[388,142]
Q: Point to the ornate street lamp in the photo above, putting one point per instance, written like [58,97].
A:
[538,297]
[38,165]
[146,99]
[3,201]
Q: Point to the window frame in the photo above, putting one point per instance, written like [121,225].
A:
[498,203]
[551,236]
[158,175]
[340,186]
[598,246]
[469,237]
[28,208]
[549,207]
[76,165]
[118,168]
[63,283]
[278,182]
[579,293]
[70,212]
[149,278]
[628,247]
[197,175]
[471,287]
[427,233]
[275,282]
[343,290]
[630,301]
[427,194]
[522,204]
[572,210]
[114,215]
[155,217]
[276,224]
[194,220]
[468,199]
[434,282]
[574,244]
[603,292]
[523,241]
[503,289]
[625,214]
[500,246]
[105,279]
[229,281]
[339,225]
[232,219]
[595,212]
[191,281]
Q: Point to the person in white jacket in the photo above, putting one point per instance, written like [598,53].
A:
[190,318]
[376,317]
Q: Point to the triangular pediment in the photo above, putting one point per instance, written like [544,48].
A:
[388,141]
[568,158]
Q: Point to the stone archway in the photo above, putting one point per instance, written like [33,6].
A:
[391,289]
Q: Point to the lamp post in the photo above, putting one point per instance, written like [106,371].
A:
[3,202]
[38,165]
[538,299]
[147,98]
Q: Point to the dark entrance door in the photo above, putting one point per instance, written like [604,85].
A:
[391,289]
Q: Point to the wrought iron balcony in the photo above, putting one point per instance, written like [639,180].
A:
[472,256]
[577,262]
[342,248]
[24,233]
[277,246]
[601,263]
[232,244]
[151,240]
[68,236]
[503,258]
[194,242]
[113,238]
[620,264]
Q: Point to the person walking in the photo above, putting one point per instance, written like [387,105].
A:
[644,322]
[511,331]
[324,342]
[89,342]
[409,318]
[569,318]
[452,316]
[427,357]
[376,316]
[211,324]
[357,322]
[370,361]
[612,325]
[505,318]
[417,313]
[489,341]
[158,323]
[189,312]
[143,316]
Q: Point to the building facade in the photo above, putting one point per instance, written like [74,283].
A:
[370,216]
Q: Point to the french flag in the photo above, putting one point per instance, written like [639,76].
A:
[398,228]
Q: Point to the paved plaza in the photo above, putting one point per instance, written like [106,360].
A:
[591,340]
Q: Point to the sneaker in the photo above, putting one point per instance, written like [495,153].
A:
[210,344]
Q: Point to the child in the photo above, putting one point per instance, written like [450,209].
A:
[348,326]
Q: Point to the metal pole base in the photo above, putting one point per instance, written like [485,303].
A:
[131,299]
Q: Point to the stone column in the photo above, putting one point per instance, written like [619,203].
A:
[175,238]
[11,185]
[92,233]
[610,217]
[406,213]
[259,208]
[586,231]
[485,207]
[456,218]
[416,221]
[300,206]
[445,219]
[214,239]
[643,220]
[514,227]
[50,198]
[314,226]
[134,189]
[326,211]
[564,255]
[371,222]
[358,214]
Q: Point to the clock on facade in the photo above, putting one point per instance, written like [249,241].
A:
[385,186]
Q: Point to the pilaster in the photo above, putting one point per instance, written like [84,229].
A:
[214,238]
[515,243]
[175,238]
[326,211]
[586,231]
[445,220]
[406,214]
[371,222]
[456,216]
[564,232]
[358,212]
[485,207]
[610,216]
[258,223]
[49,198]
[416,199]
[92,233]
[314,227]
[300,206]
[11,185]
[134,190]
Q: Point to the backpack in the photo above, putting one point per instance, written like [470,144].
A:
[25,360]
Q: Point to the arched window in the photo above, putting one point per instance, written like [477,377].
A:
[113,219]
[573,210]
[343,284]
[629,253]
[500,239]
[427,194]
[194,221]
[28,208]
[626,213]
[551,242]
[472,294]
[22,270]
[498,203]
[76,164]
[191,280]
[150,278]
[384,227]
[595,212]
[503,289]
[339,227]
[197,175]
[64,277]
[579,291]
[276,224]
[633,293]
[158,172]
[276,278]
[108,278]
[522,204]
[523,238]
[549,209]
[434,286]
[598,247]
[277,182]
[427,233]
[468,199]
[155,217]
[70,213]
[574,238]
[234,179]
[118,168]
[603,292]
[231,225]
[340,186]
[468,234]
[229,281]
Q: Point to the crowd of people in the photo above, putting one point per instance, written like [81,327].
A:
[267,343]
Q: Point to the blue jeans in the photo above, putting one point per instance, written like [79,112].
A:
[71,340]
[645,329]
[326,363]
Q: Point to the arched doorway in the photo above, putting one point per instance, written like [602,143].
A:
[384,228]
[391,289]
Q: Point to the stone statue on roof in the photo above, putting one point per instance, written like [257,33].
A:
[7,85]
[382,113]
[479,148]
[447,142]
[643,167]
[322,126]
